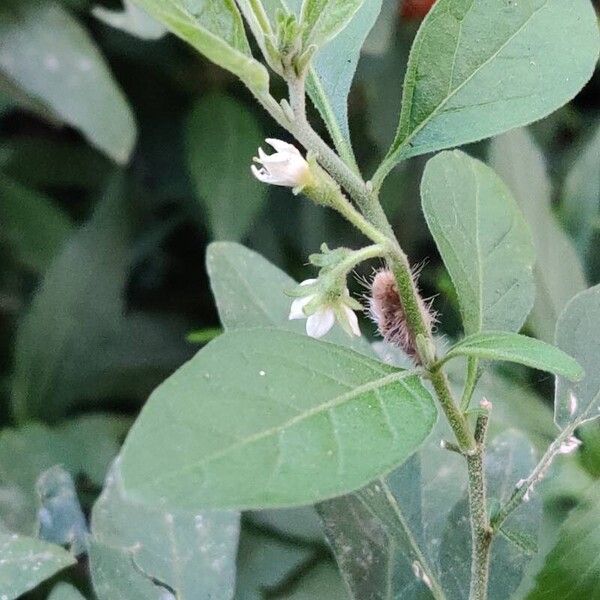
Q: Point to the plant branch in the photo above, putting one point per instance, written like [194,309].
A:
[358,256]
[524,487]
[330,161]
[471,445]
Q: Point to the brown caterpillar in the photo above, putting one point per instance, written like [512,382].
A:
[386,310]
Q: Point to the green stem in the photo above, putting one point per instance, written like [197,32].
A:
[330,161]
[358,256]
[481,531]
[376,226]
[455,417]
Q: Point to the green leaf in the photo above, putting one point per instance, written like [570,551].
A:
[375,536]
[263,562]
[32,225]
[558,272]
[570,571]
[26,562]
[200,556]
[83,446]
[512,347]
[581,198]
[322,582]
[115,577]
[131,19]
[268,418]
[333,70]
[58,163]
[60,517]
[64,591]
[324,19]
[216,30]
[480,67]
[44,65]
[510,457]
[483,239]
[578,334]
[91,349]
[222,138]
[251,292]
[290,523]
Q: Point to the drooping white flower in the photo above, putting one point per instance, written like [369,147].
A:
[286,167]
[323,319]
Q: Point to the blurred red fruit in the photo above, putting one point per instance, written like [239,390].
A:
[415,9]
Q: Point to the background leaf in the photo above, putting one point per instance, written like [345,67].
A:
[478,68]
[334,67]
[324,19]
[91,349]
[115,578]
[570,572]
[307,420]
[26,562]
[321,583]
[222,138]
[131,19]
[30,48]
[32,225]
[192,554]
[251,292]
[84,447]
[558,273]
[580,204]
[264,562]
[578,333]
[483,239]
[216,30]
[60,517]
[64,591]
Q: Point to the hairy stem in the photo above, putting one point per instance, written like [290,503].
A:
[359,256]
[330,161]
[481,531]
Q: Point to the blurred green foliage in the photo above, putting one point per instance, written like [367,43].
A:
[123,153]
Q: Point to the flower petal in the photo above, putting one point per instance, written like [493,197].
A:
[282,146]
[308,281]
[352,320]
[261,174]
[320,323]
[297,308]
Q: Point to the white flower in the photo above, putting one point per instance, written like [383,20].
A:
[287,167]
[323,319]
